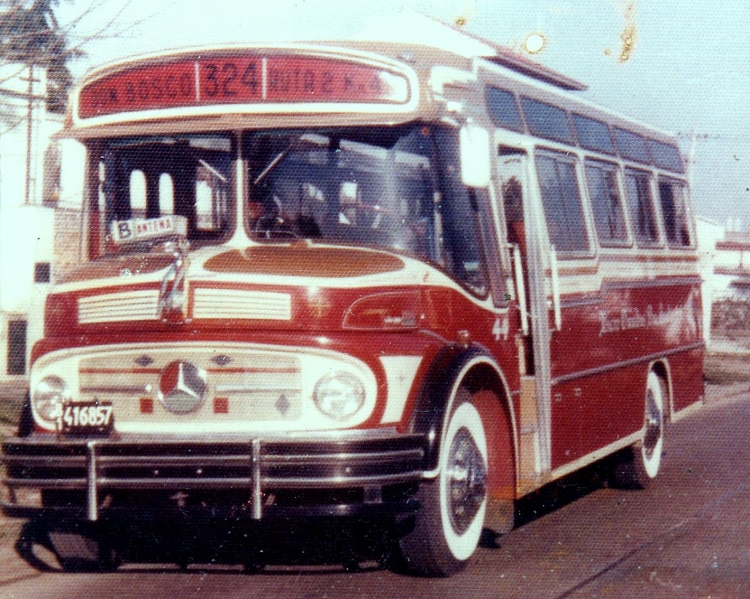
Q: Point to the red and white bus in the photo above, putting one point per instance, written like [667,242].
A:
[375,279]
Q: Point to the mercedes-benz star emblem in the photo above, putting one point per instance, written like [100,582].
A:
[182,387]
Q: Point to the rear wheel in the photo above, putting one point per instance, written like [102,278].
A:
[642,461]
[449,523]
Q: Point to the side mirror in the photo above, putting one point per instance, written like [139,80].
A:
[475,156]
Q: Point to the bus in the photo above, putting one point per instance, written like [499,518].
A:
[356,280]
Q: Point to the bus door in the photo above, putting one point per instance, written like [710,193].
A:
[573,401]
[523,219]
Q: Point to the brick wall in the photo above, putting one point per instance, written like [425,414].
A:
[67,241]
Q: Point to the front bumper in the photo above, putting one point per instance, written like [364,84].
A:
[348,473]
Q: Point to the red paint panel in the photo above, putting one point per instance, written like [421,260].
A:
[221,405]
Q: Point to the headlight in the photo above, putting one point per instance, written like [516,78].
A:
[339,395]
[49,395]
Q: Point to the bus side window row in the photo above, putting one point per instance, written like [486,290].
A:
[564,211]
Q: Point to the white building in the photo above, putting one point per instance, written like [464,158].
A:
[31,202]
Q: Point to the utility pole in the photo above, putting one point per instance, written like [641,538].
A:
[29,132]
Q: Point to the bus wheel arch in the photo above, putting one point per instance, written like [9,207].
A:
[491,398]
[474,482]
[641,462]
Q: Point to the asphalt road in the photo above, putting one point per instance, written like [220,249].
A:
[688,535]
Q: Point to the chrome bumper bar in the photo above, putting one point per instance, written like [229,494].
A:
[257,465]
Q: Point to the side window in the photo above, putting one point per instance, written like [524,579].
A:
[503,109]
[211,198]
[609,217]
[562,203]
[672,198]
[641,207]
[632,146]
[546,120]
[166,194]
[138,194]
[593,134]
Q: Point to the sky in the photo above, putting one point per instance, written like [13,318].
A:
[685,68]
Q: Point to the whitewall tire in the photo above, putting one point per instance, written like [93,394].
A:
[449,522]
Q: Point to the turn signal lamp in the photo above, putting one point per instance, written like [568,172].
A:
[397,310]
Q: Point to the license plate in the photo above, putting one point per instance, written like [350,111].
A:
[86,418]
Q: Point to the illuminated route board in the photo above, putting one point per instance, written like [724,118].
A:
[240,79]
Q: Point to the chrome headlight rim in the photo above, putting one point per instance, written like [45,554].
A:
[49,395]
[339,395]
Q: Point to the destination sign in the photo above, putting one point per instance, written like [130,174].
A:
[239,79]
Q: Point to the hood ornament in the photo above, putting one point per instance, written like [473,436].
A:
[173,294]
[166,234]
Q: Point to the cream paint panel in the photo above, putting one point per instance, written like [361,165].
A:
[399,373]
[315,363]
[611,269]
[414,273]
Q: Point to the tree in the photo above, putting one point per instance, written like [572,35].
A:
[31,35]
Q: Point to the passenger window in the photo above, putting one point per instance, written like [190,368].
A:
[674,212]
[547,121]
[166,194]
[593,134]
[632,146]
[609,217]
[641,206]
[211,198]
[137,194]
[562,204]
[666,156]
[503,109]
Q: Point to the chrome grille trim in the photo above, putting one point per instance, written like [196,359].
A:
[132,389]
[241,304]
[124,306]
[255,389]
[254,385]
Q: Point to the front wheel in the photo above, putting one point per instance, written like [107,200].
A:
[449,522]
[78,552]
[643,460]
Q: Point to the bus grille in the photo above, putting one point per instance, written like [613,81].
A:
[208,303]
[238,303]
[125,306]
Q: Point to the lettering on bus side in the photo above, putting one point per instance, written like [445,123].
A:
[632,318]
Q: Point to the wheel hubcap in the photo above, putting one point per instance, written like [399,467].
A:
[467,481]
[653,426]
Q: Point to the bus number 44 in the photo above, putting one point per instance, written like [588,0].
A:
[500,329]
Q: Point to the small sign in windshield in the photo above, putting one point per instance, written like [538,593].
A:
[144,229]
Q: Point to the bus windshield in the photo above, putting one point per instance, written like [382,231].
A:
[153,177]
[394,188]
